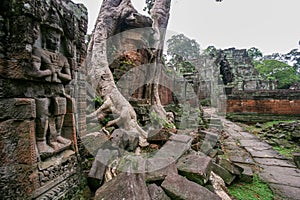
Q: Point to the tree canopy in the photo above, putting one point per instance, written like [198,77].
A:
[182,49]
[277,70]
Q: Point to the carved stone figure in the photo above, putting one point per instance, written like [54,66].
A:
[49,62]
[49,122]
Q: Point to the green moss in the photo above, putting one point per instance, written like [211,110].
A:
[251,191]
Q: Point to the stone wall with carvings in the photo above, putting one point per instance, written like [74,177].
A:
[42,100]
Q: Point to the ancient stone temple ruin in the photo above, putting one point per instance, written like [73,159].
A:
[42,110]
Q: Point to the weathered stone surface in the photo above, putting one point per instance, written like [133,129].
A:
[158,168]
[285,192]
[254,143]
[125,139]
[175,147]
[223,173]
[104,157]
[132,164]
[157,193]
[273,162]
[281,175]
[194,167]
[230,166]
[94,141]
[178,187]
[219,186]
[18,142]
[240,156]
[17,108]
[296,158]
[158,135]
[247,174]
[124,186]
[263,153]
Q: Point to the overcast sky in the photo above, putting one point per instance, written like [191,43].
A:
[270,25]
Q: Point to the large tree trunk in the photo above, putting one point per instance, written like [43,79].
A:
[160,16]
[112,14]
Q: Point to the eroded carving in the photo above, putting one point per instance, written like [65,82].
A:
[49,62]
[49,123]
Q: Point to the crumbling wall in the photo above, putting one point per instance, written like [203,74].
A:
[42,49]
[278,102]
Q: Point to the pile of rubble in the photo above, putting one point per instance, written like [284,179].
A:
[186,165]
[284,134]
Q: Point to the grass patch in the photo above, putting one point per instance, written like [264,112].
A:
[287,152]
[251,191]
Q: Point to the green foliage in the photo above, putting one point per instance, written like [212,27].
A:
[98,101]
[287,152]
[254,53]
[251,191]
[211,51]
[182,50]
[276,70]
[183,46]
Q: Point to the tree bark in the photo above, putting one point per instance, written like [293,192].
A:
[112,14]
[160,16]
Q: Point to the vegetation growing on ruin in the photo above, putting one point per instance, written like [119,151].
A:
[251,191]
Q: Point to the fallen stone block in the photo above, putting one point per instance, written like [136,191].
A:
[230,166]
[175,147]
[94,141]
[103,158]
[132,164]
[158,168]
[125,139]
[124,186]
[247,174]
[157,193]
[158,135]
[194,167]
[178,187]
[223,173]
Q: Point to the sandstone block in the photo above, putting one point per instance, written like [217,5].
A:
[223,173]
[194,167]
[178,187]
[124,186]
[157,193]
[17,108]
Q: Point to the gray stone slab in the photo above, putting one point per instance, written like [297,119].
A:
[181,138]
[240,156]
[194,167]
[124,186]
[158,168]
[223,173]
[253,143]
[280,176]
[247,174]
[173,149]
[285,192]
[268,153]
[273,162]
[132,164]
[157,193]
[178,187]
[248,136]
